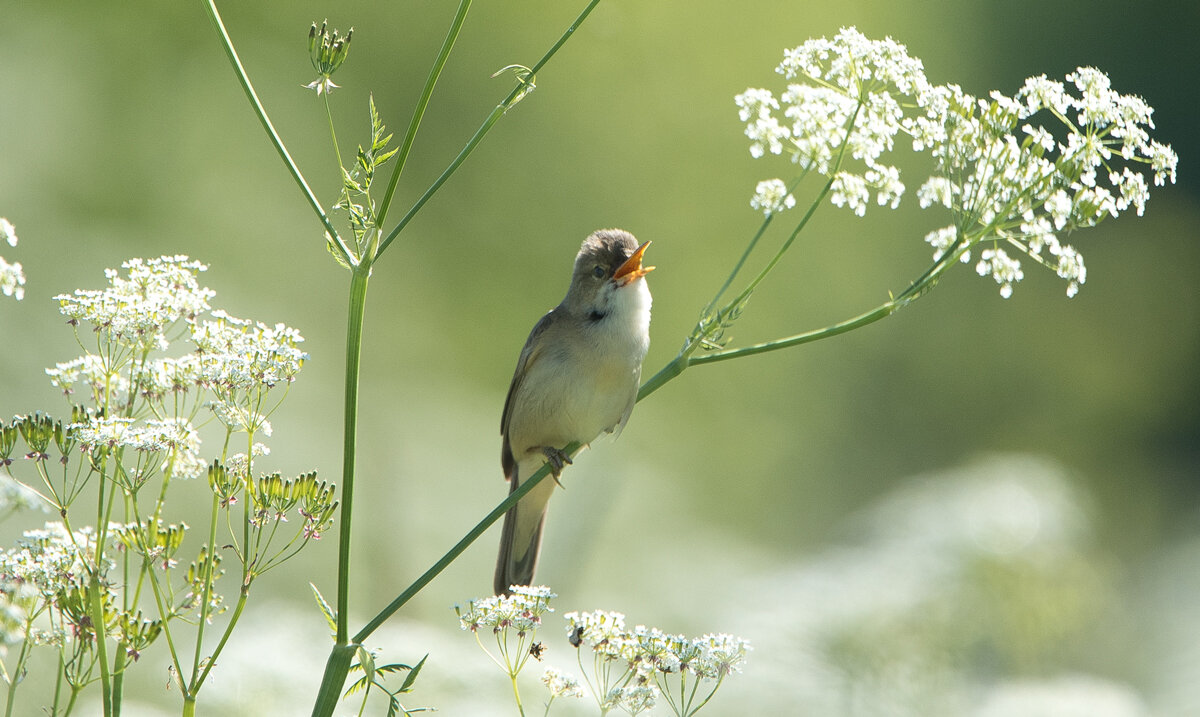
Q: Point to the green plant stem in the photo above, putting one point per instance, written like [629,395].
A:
[812,209]
[496,114]
[265,121]
[336,669]
[486,127]
[459,547]
[118,679]
[71,702]
[233,621]
[96,592]
[337,151]
[18,667]
[419,112]
[338,664]
[915,290]
[96,610]
[762,229]
[354,325]
[206,595]
[879,312]
[516,694]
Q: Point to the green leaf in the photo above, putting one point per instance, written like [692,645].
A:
[367,661]
[412,675]
[359,684]
[380,159]
[326,610]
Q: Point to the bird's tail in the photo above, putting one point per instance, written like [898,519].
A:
[521,538]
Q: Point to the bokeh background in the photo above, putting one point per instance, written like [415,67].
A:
[976,507]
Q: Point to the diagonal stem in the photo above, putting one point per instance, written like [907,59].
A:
[486,127]
[419,112]
[265,121]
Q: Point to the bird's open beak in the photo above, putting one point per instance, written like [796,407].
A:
[632,269]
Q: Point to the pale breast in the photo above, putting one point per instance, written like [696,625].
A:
[576,392]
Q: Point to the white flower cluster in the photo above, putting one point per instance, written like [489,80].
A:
[136,310]
[240,354]
[631,699]
[12,276]
[46,562]
[561,684]
[234,359]
[513,621]
[650,650]
[8,232]
[93,372]
[175,438]
[771,196]
[521,610]
[1005,178]
[650,658]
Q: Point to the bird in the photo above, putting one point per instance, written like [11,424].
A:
[577,377]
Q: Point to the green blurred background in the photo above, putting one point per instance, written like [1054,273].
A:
[740,494]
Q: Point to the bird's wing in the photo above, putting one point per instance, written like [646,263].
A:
[529,355]
[637,381]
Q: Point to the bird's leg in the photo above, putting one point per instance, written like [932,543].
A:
[557,459]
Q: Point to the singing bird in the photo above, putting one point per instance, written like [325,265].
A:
[577,377]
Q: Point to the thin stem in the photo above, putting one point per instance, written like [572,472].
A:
[95,599]
[354,324]
[212,659]
[486,127]
[706,699]
[337,151]
[758,235]
[163,608]
[71,702]
[665,374]
[885,309]
[912,293]
[812,209]
[516,693]
[265,121]
[338,665]
[762,229]
[466,151]
[19,666]
[419,112]
[96,613]
[459,547]
[206,593]
[118,679]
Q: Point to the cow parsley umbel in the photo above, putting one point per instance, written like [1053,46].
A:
[1017,174]
[632,669]
[512,621]
[158,364]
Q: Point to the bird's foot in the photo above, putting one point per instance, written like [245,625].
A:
[557,459]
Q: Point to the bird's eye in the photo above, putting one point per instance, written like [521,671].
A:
[598,271]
